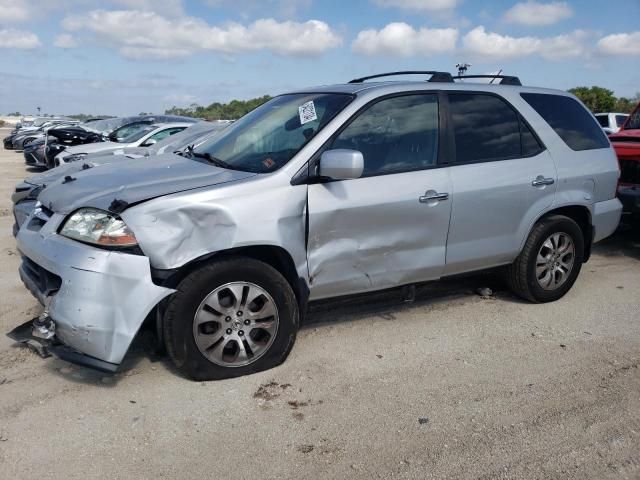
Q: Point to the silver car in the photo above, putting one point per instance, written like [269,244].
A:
[318,193]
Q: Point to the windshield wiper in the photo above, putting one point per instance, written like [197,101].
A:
[211,159]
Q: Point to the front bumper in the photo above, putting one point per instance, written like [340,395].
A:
[630,198]
[25,334]
[32,158]
[97,298]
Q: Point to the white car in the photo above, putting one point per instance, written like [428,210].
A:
[611,122]
[145,136]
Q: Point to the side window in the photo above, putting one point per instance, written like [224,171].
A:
[620,119]
[166,133]
[569,119]
[530,144]
[399,134]
[485,128]
[603,120]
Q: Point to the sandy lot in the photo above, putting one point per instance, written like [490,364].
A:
[450,386]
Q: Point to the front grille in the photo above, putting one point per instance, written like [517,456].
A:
[39,278]
[630,171]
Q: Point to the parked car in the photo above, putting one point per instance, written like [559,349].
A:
[110,129]
[318,193]
[626,143]
[140,136]
[26,135]
[611,122]
[26,192]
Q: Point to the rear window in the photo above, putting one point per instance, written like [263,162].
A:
[603,120]
[620,119]
[569,119]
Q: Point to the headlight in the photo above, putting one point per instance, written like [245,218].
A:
[75,157]
[98,227]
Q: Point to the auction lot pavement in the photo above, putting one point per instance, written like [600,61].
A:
[453,385]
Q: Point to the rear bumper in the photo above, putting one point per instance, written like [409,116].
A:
[630,199]
[605,218]
[97,298]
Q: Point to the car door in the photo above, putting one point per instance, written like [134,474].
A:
[502,177]
[388,227]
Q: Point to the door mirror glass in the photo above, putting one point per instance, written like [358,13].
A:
[148,143]
[341,164]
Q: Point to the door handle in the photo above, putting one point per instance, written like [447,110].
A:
[541,181]
[433,196]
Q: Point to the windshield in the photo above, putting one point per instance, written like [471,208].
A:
[268,137]
[135,135]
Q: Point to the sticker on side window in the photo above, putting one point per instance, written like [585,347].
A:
[307,112]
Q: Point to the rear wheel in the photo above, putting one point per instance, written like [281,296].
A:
[550,261]
[230,318]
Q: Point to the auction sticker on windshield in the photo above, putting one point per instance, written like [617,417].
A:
[307,112]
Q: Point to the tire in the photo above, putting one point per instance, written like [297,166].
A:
[213,283]
[527,275]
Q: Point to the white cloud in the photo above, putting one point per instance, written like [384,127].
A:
[286,8]
[162,37]
[400,39]
[620,44]
[11,38]
[65,40]
[533,13]
[494,46]
[418,5]
[14,11]
[164,7]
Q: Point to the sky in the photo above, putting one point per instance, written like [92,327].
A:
[122,57]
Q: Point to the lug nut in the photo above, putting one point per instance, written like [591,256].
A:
[229,331]
[239,313]
[241,332]
[247,322]
[228,319]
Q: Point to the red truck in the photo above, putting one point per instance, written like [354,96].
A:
[627,146]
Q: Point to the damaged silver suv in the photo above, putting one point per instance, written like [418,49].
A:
[319,193]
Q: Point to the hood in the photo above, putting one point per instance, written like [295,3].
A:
[93,147]
[49,176]
[117,185]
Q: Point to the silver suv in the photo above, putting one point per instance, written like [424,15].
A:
[320,193]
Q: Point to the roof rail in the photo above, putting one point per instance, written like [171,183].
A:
[435,76]
[505,79]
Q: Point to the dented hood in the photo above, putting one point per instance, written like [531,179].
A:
[116,185]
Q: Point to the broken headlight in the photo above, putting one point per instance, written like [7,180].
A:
[98,227]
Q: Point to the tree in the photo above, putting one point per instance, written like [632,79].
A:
[597,99]
[626,105]
[220,111]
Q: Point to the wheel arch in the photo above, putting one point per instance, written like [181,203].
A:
[579,214]
[273,255]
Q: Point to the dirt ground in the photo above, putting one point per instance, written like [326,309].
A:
[452,385]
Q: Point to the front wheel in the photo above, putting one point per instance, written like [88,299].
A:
[231,317]
[550,261]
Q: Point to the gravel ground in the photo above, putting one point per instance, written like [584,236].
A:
[453,385]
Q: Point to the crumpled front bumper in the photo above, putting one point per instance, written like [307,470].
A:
[97,298]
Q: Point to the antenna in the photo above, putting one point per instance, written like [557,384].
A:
[462,68]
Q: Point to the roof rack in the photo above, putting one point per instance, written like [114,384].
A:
[435,76]
[506,79]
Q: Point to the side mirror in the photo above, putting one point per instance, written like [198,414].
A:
[148,143]
[341,164]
